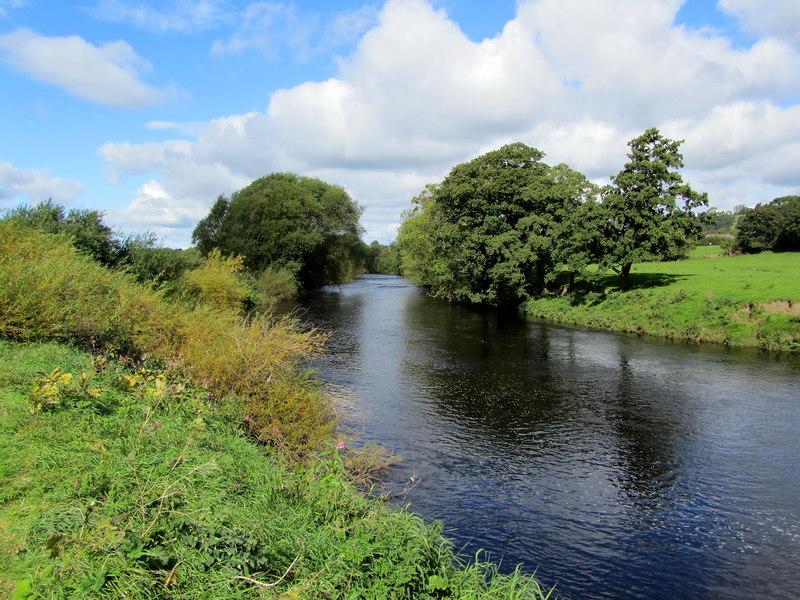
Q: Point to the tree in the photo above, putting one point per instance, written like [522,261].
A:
[381,259]
[773,226]
[648,208]
[487,233]
[150,263]
[84,227]
[207,232]
[286,221]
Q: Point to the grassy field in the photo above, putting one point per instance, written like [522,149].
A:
[137,484]
[749,300]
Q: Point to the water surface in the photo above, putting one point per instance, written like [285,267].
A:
[615,466]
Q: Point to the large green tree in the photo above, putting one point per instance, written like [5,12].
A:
[648,208]
[286,221]
[488,233]
[772,226]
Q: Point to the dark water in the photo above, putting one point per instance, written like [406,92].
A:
[616,467]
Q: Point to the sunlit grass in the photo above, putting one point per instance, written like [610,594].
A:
[749,300]
[153,498]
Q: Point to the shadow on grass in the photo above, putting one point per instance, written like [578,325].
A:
[595,293]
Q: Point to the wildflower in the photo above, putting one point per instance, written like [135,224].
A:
[339,444]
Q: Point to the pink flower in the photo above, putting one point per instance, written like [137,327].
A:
[339,444]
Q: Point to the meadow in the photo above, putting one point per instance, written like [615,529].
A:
[750,300]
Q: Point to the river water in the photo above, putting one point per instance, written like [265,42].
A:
[614,466]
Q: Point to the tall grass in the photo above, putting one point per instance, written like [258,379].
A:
[152,496]
[50,292]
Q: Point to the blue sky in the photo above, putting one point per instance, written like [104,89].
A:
[149,110]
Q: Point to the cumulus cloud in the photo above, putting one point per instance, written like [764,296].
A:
[107,74]
[575,79]
[31,186]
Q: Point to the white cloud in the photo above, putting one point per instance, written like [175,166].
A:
[31,186]
[186,128]
[575,79]
[106,74]
[777,18]
[178,15]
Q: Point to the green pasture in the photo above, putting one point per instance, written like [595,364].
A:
[748,300]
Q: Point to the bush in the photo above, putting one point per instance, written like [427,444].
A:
[159,267]
[277,285]
[217,282]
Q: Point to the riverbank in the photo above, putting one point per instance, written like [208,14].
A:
[136,484]
[171,449]
[741,301]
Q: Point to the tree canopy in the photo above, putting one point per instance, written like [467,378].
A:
[488,233]
[503,226]
[648,208]
[772,226]
[286,221]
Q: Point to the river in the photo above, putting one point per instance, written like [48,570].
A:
[614,466]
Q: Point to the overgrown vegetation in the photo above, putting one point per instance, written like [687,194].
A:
[189,455]
[49,291]
[749,300]
[128,480]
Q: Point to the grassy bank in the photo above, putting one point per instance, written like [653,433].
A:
[749,301]
[156,449]
[113,489]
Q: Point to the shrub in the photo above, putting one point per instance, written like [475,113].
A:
[277,285]
[217,281]
[161,268]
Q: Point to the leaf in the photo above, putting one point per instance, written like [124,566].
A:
[437,582]
[23,590]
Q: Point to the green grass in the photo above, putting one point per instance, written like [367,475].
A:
[749,301]
[153,490]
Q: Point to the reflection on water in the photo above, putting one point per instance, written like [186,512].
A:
[618,467]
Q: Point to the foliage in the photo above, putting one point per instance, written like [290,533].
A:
[381,259]
[648,208]
[160,267]
[719,221]
[85,228]
[50,292]
[746,300]
[150,500]
[773,226]
[488,233]
[217,283]
[277,285]
[285,221]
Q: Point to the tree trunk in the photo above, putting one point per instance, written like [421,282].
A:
[624,276]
